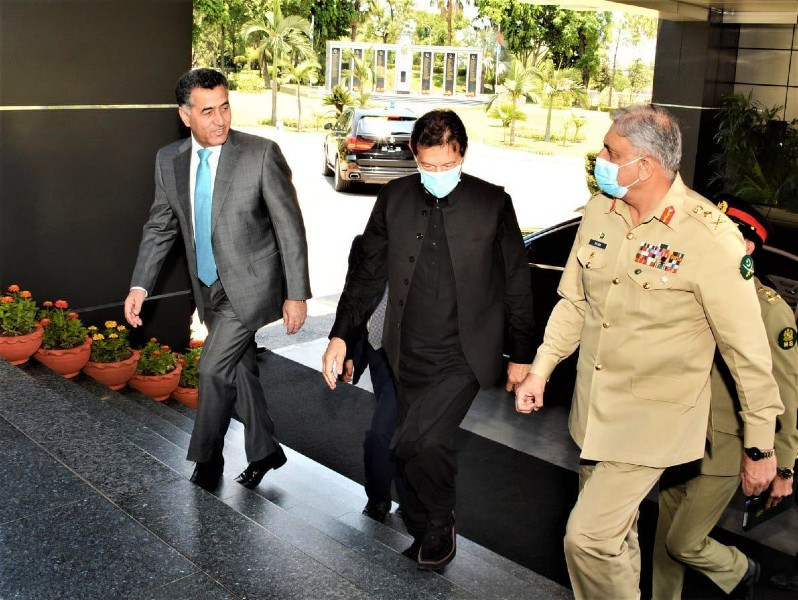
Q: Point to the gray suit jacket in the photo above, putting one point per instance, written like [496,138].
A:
[258,233]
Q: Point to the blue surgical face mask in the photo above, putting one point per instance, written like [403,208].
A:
[606,174]
[442,183]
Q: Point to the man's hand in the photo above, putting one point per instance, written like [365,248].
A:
[133,304]
[349,371]
[756,475]
[779,490]
[515,374]
[529,394]
[332,361]
[294,313]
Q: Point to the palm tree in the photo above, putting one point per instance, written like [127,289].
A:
[279,36]
[519,82]
[506,113]
[363,73]
[559,84]
[449,8]
[306,71]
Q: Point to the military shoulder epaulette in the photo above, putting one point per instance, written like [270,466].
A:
[707,214]
[768,294]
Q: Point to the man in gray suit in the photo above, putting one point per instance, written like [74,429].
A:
[230,195]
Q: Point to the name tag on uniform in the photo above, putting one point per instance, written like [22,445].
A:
[598,244]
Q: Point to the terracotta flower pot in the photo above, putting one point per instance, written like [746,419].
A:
[187,395]
[113,374]
[157,387]
[17,349]
[65,362]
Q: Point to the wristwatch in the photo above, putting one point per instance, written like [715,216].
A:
[755,453]
[784,472]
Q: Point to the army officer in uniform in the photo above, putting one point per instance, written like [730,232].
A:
[692,498]
[657,276]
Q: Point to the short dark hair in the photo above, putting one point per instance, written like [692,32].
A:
[439,127]
[203,78]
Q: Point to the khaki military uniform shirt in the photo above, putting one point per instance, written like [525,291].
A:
[648,304]
[726,446]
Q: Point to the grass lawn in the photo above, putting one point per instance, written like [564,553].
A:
[252,109]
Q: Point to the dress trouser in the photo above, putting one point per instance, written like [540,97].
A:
[601,547]
[378,456]
[425,447]
[228,377]
[688,510]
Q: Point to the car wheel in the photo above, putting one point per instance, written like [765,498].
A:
[339,183]
[326,171]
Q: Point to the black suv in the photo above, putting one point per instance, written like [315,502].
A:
[368,145]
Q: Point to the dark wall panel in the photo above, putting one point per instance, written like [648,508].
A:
[92,52]
[76,184]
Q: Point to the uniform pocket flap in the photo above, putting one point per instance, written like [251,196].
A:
[664,389]
[591,257]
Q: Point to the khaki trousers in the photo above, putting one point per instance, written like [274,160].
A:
[687,513]
[601,547]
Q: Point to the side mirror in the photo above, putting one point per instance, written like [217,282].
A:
[328,126]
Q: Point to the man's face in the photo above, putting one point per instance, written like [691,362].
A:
[619,150]
[438,158]
[208,115]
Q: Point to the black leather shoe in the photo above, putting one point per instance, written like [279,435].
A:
[745,589]
[377,510]
[438,546]
[254,473]
[412,551]
[207,474]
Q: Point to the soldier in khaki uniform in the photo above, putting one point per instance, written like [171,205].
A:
[690,503]
[657,277]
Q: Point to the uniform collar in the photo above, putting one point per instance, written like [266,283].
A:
[667,211]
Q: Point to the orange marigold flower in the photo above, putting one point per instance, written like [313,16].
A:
[24,294]
[181,361]
[97,337]
[156,353]
[92,328]
[120,328]
[47,304]
[165,348]
[6,299]
[61,304]
[13,288]
[113,336]
[45,322]
[153,340]
[110,324]
[72,315]
[195,343]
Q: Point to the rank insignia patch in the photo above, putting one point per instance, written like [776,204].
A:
[659,256]
[787,338]
[667,215]
[747,267]
[598,244]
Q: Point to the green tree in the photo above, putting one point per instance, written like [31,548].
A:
[526,28]
[520,82]
[339,97]
[559,85]
[279,37]
[362,72]
[306,71]
[641,77]
[629,31]
[576,40]
[504,110]
[387,21]
[448,10]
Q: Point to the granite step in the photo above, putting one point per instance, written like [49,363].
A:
[132,451]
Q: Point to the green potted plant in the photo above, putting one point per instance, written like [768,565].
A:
[20,333]
[65,345]
[157,372]
[187,390]
[112,362]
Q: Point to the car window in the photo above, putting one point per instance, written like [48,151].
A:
[551,248]
[385,125]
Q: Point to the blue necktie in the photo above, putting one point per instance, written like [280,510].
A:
[206,265]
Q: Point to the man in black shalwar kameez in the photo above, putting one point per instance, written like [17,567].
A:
[450,247]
